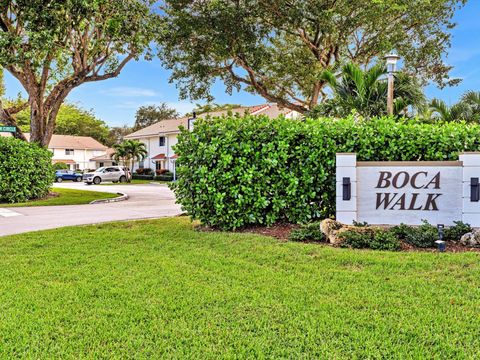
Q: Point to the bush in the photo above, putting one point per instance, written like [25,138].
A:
[142,177]
[26,171]
[60,166]
[423,236]
[385,240]
[140,171]
[161,172]
[235,172]
[375,239]
[308,232]
[455,232]
[147,171]
[356,239]
[166,176]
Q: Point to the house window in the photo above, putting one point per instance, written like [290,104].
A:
[101,164]
[161,141]
[77,167]
[69,151]
[158,165]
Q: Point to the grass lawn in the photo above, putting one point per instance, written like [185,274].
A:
[66,197]
[153,289]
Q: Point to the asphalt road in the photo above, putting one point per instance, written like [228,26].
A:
[146,201]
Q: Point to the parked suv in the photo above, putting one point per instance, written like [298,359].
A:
[61,175]
[107,173]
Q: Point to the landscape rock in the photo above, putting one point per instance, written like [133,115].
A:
[333,229]
[471,239]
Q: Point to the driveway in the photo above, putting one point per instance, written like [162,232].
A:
[146,201]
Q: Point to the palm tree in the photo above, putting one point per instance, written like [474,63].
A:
[365,91]
[136,150]
[467,109]
[121,155]
[128,152]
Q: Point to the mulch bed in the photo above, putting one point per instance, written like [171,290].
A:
[282,232]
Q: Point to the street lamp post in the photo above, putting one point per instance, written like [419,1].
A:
[391,69]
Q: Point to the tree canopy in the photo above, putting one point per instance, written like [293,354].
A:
[279,48]
[151,114]
[54,46]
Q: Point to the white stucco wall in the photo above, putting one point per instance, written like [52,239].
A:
[152,143]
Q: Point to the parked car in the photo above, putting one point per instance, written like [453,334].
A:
[61,175]
[107,173]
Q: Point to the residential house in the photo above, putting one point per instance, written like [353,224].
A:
[78,152]
[160,137]
[104,160]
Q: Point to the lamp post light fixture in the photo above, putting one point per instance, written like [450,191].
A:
[441,244]
[392,60]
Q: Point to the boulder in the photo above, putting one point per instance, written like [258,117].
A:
[471,239]
[332,230]
[329,228]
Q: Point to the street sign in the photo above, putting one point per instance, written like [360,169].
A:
[11,129]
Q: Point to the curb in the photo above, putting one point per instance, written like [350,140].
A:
[122,197]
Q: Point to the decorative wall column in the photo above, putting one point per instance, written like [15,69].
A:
[471,188]
[346,188]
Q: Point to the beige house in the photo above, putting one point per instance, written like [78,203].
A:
[104,160]
[160,137]
[78,152]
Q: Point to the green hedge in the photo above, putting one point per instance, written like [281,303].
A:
[26,171]
[234,172]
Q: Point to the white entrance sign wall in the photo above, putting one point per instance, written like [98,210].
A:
[390,193]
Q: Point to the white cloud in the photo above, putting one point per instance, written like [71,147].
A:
[127,91]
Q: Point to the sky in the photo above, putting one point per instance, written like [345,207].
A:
[146,83]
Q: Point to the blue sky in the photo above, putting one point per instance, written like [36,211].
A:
[142,83]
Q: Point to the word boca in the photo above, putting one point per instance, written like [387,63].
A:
[408,200]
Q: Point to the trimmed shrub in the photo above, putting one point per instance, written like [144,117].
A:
[375,239]
[142,177]
[307,232]
[26,171]
[455,232]
[241,171]
[60,166]
[166,176]
[423,236]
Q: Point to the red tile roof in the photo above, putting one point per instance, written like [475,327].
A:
[159,157]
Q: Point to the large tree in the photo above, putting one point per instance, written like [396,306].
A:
[72,120]
[53,46]
[279,48]
[151,114]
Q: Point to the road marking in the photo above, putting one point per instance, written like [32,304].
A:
[8,213]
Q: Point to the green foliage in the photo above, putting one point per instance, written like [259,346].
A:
[307,232]
[151,114]
[423,236]
[455,232]
[278,49]
[385,240]
[129,151]
[467,109]
[26,171]
[374,239]
[60,166]
[53,47]
[236,171]
[365,91]
[72,120]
